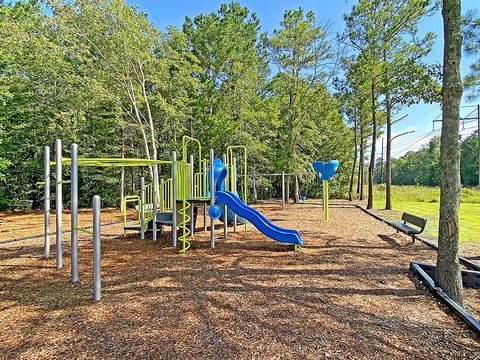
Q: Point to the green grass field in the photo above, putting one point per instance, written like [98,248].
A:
[425,202]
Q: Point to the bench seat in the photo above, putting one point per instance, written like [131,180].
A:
[408,229]
[404,226]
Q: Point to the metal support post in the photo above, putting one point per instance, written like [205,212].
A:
[58,201]
[97,256]
[174,199]
[46,201]
[192,195]
[154,203]
[142,208]
[234,190]
[161,201]
[225,210]
[212,199]
[205,192]
[74,213]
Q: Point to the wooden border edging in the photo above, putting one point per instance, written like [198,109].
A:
[417,270]
[467,263]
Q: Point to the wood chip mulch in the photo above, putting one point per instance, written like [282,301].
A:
[346,293]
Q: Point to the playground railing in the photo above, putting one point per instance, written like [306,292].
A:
[126,200]
[166,195]
[148,205]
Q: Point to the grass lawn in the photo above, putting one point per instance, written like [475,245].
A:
[425,202]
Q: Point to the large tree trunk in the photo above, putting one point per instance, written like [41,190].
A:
[371,166]
[352,176]
[296,191]
[361,162]
[448,268]
[388,165]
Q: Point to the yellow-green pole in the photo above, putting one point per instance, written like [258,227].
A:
[325,198]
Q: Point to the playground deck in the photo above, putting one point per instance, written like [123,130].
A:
[346,293]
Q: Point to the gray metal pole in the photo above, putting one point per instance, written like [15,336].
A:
[225,210]
[174,199]
[46,200]
[161,204]
[192,195]
[234,190]
[74,214]
[204,190]
[212,200]
[97,257]
[58,201]
[142,208]
[283,190]
[154,204]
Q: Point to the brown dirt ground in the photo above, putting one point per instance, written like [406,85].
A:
[346,293]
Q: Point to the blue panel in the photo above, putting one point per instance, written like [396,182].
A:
[327,170]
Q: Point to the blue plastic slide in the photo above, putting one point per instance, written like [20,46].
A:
[258,220]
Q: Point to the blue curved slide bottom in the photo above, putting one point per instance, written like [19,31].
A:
[258,220]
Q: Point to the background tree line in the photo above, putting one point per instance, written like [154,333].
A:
[422,167]
[99,73]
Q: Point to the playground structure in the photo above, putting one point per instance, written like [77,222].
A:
[173,202]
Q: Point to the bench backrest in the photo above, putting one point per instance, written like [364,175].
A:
[23,204]
[414,220]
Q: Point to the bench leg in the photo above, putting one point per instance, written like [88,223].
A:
[413,238]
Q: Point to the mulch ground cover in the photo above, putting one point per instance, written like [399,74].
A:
[20,224]
[346,293]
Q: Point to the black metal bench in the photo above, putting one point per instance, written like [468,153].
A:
[407,220]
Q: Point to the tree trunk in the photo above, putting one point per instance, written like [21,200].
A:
[388,165]
[296,192]
[371,166]
[361,163]
[287,188]
[448,268]
[254,189]
[352,176]
[122,172]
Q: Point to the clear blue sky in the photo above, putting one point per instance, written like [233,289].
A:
[270,12]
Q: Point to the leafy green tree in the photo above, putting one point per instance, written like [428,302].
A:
[307,60]
[472,47]
[232,73]
[469,160]
[384,34]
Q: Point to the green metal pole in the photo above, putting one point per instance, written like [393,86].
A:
[326,199]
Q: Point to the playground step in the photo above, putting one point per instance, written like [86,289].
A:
[132,227]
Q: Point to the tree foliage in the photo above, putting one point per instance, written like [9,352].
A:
[101,74]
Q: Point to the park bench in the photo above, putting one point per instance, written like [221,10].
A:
[22,205]
[407,220]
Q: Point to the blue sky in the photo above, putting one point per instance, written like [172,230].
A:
[163,13]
